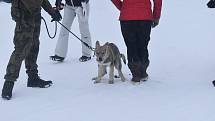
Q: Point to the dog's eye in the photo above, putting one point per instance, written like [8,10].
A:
[103,52]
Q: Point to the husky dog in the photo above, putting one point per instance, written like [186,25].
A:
[108,55]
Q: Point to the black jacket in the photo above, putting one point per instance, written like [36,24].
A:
[74,3]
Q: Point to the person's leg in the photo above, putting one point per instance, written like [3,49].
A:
[22,41]
[85,32]
[31,59]
[143,35]
[62,43]
[129,34]
[129,29]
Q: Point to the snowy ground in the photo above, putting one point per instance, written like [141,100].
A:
[181,70]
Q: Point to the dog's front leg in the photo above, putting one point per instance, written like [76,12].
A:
[111,74]
[100,72]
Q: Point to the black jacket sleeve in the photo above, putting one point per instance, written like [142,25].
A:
[85,1]
[47,7]
[58,2]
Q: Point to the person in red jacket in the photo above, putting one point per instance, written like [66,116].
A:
[136,20]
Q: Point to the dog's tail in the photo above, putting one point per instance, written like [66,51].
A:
[123,58]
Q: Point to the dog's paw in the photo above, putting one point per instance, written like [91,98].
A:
[135,83]
[116,76]
[97,81]
[110,82]
[123,79]
[94,78]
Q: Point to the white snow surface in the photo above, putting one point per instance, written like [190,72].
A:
[182,67]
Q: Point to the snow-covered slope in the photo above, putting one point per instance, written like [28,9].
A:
[181,70]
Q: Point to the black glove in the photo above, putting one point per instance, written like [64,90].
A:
[155,23]
[56,16]
[211,4]
[59,5]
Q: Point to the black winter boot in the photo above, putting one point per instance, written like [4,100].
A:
[7,90]
[84,58]
[143,68]
[135,69]
[211,4]
[35,81]
[213,82]
[57,58]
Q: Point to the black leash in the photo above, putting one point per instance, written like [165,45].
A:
[55,33]
[91,48]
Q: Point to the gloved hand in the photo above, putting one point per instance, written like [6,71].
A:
[155,23]
[211,4]
[56,16]
[59,5]
[84,8]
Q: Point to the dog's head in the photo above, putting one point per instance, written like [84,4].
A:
[101,52]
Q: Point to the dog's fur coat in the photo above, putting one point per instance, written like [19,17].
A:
[108,55]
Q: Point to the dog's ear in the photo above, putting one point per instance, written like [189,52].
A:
[107,47]
[97,44]
[106,43]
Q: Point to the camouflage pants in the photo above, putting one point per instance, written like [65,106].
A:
[26,41]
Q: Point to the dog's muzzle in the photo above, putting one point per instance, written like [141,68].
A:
[100,59]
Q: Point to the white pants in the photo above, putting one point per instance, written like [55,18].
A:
[68,18]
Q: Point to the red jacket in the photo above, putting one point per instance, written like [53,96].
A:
[138,9]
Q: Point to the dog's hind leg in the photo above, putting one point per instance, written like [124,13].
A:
[111,74]
[121,75]
[118,66]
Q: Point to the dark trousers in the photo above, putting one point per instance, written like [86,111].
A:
[136,34]
[26,41]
